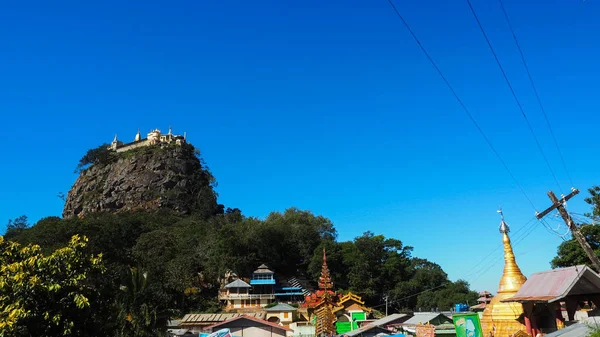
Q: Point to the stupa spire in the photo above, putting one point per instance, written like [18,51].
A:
[512,277]
[325,279]
[499,318]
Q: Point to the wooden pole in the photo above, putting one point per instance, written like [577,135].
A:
[558,205]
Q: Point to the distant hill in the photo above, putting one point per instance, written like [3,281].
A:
[146,178]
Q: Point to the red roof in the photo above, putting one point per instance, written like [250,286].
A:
[554,285]
[254,319]
[479,306]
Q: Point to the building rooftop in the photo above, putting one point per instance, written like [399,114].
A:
[424,317]
[389,319]
[204,319]
[554,285]
[281,307]
[263,269]
[238,284]
[578,329]
[250,318]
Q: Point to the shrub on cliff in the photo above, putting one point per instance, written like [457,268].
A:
[101,154]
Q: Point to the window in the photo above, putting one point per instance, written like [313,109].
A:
[286,315]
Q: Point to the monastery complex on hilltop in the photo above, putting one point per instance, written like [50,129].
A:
[152,138]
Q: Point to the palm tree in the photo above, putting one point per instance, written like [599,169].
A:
[138,317]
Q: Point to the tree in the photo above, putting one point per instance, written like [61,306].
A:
[137,315]
[101,154]
[47,295]
[570,253]
[16,226]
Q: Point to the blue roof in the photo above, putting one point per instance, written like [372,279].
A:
[289,294]
[291,288]
[259,282]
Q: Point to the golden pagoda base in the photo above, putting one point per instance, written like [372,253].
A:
[506,318]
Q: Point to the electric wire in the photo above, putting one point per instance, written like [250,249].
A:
[537,96]
[517,240]
[472,271]
[435,66]
[413,295]
[513,93]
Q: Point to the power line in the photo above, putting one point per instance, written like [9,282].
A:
[517,241]
[409,296]
[513,94]
[474,271]
[414,36]
[537,96]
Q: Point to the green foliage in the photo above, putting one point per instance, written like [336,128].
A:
[138,315]
[99,155]
[570,253]
[47,295]
[16,226]
[446,297]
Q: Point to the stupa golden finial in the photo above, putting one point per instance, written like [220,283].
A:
[504,319]
[512,277]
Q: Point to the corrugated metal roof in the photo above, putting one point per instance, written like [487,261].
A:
[553,285]
[194,319]
[238,284]
[251,318]
[281,307]
[424,317]
[576,330]
[388,319]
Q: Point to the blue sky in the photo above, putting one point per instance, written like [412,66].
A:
[327,106]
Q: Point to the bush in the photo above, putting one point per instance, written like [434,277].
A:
[100,155]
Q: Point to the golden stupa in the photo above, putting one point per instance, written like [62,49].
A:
[505,319]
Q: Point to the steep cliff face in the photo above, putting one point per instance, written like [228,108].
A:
[148,178]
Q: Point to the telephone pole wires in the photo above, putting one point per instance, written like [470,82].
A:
[559,205]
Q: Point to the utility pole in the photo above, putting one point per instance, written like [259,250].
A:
[386,305]
[559,205]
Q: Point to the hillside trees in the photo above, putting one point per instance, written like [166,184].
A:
[186,257]
[16,226]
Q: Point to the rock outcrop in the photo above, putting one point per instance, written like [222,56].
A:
[148,179]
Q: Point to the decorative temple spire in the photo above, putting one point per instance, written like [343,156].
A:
[115,139]
[325,279]
[512,277]
[138,136]
[503,225]
[170,130]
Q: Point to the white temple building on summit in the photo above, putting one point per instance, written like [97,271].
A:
[152,138]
